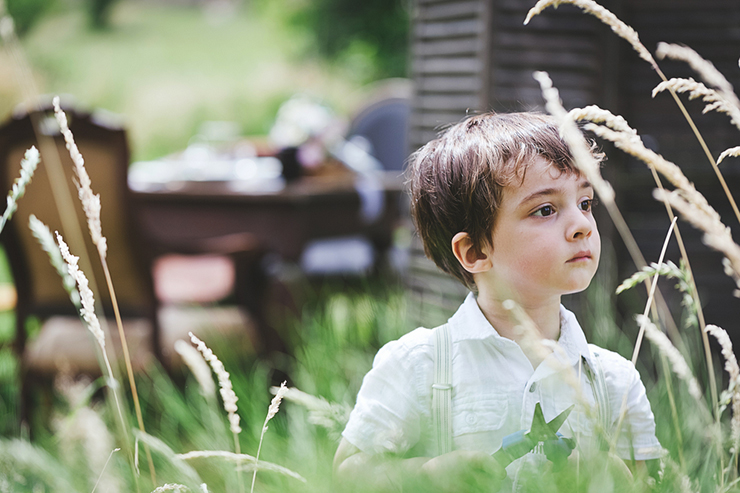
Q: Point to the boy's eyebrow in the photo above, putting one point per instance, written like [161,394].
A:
[551,191]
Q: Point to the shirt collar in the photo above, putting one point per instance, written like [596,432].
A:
[470,323]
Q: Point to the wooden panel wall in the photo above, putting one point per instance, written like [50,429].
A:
[450,73]
[449,61]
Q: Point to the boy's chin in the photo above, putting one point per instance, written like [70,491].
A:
[578,287]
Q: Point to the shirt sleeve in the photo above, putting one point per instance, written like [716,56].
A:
[386,417]
[637,438]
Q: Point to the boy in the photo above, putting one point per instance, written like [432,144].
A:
[499,205]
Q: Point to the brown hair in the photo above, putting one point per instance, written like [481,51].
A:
[456,181]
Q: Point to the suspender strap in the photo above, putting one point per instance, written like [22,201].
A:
[442,389]
[601,393]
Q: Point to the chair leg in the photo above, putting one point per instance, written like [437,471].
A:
[252,290]
[24,395]
[19,349]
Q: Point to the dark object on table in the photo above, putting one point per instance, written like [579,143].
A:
[291,166]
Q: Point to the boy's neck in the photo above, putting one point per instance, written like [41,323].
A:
[545,315]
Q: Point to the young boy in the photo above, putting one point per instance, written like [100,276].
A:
[499,205]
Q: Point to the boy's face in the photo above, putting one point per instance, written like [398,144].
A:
[545,241]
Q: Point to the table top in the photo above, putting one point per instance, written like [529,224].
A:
[316,187]
[205,175]
[282,216]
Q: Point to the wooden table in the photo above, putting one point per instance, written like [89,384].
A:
[282,221]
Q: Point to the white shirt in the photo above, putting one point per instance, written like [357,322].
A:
[495,390]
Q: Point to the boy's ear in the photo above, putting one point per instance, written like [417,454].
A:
[472,259]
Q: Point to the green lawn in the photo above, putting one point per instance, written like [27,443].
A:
[168,68]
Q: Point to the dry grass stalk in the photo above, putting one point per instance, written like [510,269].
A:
[244,462]
[224,382]
[595,114]
[531,341]
[704,217]
[271,412]
[586,163]
[582,157]
[87,310]
[322,413]
[227,394]
[42,233]
[615,129]
[247,462]
[91,206]
[714,78]
[198,367]
[649,302]
[104,468]
[533,344]
[626,32]
[170,487]
[716,101]
[275,404]
[706,69]
[90,201]
[633,145]
[86,430]
[589,6]
[678,363]
[628,140]
[644,319]
[28,165]
[731,152]
[733,370]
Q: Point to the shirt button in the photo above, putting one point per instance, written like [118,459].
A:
[533,387]
[470,418]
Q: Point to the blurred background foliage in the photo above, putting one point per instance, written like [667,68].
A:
[167,66]
[372,35]
[28,13]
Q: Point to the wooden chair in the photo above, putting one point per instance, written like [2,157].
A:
[63,342]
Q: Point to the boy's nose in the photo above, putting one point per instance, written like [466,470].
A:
[580,227]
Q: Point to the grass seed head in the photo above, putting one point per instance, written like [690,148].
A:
[87,311]
[224,382]
[171,487]
[676,359]
[706,69]
[716,100]
[90,201]
[695,209]
[43,235]
[198,366]
[731,152]
[582,157]
[618,26]
[28,165]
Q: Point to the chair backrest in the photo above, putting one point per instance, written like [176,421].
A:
[106,154]
[384,124]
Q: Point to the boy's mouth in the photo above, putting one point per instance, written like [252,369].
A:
[581,256]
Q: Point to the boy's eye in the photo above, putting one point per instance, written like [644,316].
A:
[544,211]
[586,205]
